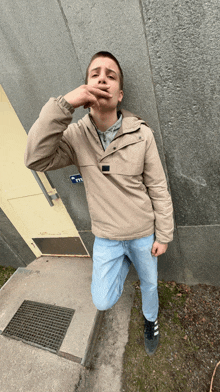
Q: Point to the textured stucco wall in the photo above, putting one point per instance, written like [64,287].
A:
[184,50]
[169,52]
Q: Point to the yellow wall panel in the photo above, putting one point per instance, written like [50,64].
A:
[21,197]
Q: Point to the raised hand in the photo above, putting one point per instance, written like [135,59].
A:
[87,96]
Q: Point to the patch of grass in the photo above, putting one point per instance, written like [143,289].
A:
[169,294]
[5,273]
[165,371]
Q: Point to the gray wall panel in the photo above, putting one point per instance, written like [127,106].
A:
[73,196]
[200,249]
[14,251]
[8,258]
[171,264]
[37,59]
[184,47]
[88,239]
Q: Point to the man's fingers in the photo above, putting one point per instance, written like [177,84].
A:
[156,252]
[91,103]
[98,86]
[101,91]
[94,93]
[87,95]
[158,249]
[154,249]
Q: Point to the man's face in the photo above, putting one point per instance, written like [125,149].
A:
[104,71]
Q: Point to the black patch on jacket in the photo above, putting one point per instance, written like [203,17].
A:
[105,168]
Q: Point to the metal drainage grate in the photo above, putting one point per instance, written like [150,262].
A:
[42,325]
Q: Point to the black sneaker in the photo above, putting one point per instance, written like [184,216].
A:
[151,336]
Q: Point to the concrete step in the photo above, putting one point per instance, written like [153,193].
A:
[61,281]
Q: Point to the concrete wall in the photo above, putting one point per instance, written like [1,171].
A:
[14,251]
[169,52]
[184,51]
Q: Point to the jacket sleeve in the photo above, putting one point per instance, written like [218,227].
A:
[47,148]
[156,184]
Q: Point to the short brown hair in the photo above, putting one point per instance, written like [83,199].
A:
[106,54]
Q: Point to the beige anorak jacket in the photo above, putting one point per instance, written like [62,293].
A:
[125,185]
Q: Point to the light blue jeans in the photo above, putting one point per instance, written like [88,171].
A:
[111,262]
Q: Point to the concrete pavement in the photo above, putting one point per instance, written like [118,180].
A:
[65,282]
[61,281]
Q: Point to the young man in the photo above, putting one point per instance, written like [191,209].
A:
[129,204]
